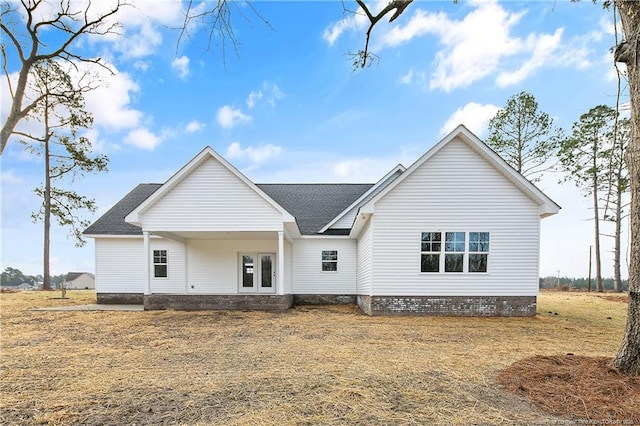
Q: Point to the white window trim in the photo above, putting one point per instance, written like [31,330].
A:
[153,264]
[442,253]
[322,262]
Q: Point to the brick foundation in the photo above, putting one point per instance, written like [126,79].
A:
[323,299]
[460,306]
[119,298]
[195,302]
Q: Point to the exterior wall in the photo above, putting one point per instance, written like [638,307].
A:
[456,190]
[459,306]
[229,204]
[84,281]
[120,265]
[194,302]
[288,267]
[175,282]
[364,260]
[213,264]
[308,277]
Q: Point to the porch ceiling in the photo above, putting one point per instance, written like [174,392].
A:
[221,235]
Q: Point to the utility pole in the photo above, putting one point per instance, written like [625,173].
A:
[558,278]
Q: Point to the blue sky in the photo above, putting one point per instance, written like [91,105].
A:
[285,104]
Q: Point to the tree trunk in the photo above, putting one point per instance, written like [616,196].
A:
[46,281]
[596,213]
[627,359]
[617,284]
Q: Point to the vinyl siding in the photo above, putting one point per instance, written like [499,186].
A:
[212,198]
[308,277]
[176,267]
[84,281]
[456,190]
[364,261]
[119,265]
[213,264]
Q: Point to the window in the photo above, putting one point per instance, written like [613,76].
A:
[478,251]
[431,247]
[329,261]
[160,263]
[453,254]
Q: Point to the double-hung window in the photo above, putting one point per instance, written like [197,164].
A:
[160,264]
[457,251]
[329,260]
[431,248]
[478,251]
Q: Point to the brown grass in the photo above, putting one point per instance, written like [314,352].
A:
[326,365]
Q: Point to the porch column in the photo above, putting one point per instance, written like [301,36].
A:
[280,263]
[147,264]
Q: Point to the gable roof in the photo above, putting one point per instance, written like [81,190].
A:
[315,205]
[547,206]
[113,223]
[205,154]
[74,275]
[372,192]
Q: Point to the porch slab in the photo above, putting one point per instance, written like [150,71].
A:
[201,302]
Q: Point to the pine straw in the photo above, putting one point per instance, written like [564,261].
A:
[583,387]
[308,365]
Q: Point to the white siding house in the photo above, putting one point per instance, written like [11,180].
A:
[457,233]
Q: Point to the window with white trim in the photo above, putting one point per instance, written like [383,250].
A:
[329,260]
[160,264]
[478,251]
[457,252]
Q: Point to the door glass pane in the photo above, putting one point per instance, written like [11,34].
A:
[266,271]
[247,271]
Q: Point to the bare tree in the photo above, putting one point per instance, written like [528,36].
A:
[23,25]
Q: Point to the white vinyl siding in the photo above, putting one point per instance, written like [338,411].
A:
[84,281]
[456,189]
[120,265]
[364,261]
[213,264]
[212,198]
[176,271]
[308,277]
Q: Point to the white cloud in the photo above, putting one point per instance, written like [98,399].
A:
[194,126]
[253,97]
[143,138]
[9,177]
[473,115]
[269,92]
[110,102]
[543,47]
[181,64]
[256,155]
[413,76]
[229,117]
[142,65]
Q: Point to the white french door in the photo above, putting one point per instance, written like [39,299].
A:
[257,272]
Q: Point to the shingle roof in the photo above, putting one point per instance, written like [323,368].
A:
[314,205]
[112,222]
[73,275]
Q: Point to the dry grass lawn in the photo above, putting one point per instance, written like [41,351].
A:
[309,365]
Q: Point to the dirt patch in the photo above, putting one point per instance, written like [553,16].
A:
[578,386]
[621,298]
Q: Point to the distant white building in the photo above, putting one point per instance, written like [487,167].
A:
[80,281]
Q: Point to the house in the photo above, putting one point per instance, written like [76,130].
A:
[79,281]
[456,233]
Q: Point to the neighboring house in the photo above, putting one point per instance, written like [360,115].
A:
[457,233]
[79,281]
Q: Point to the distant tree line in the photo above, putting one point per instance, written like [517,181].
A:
[580,283]
[12,277]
